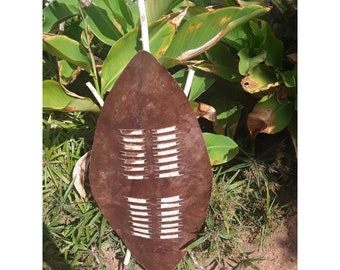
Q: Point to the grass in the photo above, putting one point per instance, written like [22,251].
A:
[245,203]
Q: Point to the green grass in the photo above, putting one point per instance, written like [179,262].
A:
[245,203]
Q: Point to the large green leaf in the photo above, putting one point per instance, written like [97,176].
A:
[192,37]
[203,31]
[102,22]
[68,49]
[160,35]
[237,39]
[220,148]
[223,63]
[200,83]
[59,11]
[122,13]
[256,43]
[55,98]
[155,8]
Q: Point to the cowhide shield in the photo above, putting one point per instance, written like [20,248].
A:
[150,172]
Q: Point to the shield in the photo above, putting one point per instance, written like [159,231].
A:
[150,172]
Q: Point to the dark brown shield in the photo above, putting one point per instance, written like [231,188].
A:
[150,172]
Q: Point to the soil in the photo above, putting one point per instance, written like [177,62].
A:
[279,251]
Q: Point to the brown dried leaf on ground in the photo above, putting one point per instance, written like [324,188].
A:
[79,173]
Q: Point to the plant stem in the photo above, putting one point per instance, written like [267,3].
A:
[93,65]
[87,45]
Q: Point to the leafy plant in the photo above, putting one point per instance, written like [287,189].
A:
[244,57]
[209,40]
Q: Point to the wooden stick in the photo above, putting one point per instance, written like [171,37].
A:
[95,93]
[188,83]
[144,25]
[127,257]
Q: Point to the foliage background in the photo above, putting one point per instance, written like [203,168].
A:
[27,199]
[67,136]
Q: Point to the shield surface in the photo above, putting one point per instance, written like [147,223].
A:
[150,173]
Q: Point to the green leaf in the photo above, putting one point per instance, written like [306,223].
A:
[200,33]
[155,8]
[67,72]
[290,77]
[57,12]
[270,115]
[247,61]
[200,83]
[102,22]
[227,121]
[196,243]
[67,49]
[55,98]
[272,45]
[256,43]
[203,3]
[122,13]
[133,7]
[237,39]
[220,148]
[160,35]
[224,63]
[203,31]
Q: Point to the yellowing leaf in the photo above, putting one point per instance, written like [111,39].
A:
[67,72]
[203,31]
[260,78]
[269,115]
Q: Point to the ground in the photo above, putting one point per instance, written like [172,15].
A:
[279,251]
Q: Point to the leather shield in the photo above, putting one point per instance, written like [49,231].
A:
[150,173]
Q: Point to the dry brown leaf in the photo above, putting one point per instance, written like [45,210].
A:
[79,173]
[260,121]
[176,21]
[206,111]
[292,57]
